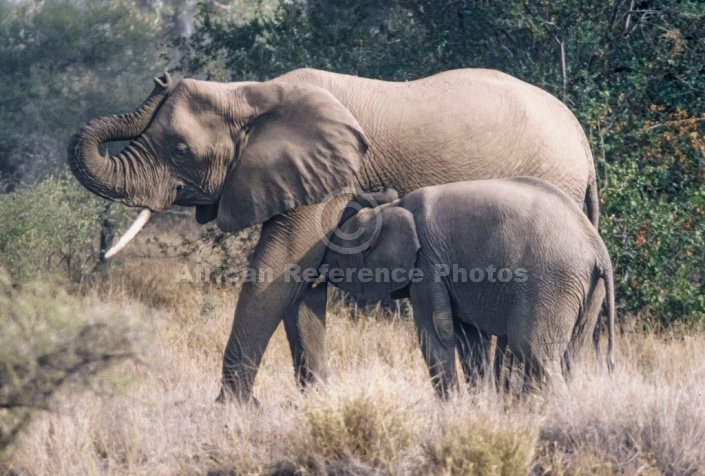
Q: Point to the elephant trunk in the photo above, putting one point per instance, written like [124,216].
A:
[115,177]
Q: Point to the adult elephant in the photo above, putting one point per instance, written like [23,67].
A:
[271,152]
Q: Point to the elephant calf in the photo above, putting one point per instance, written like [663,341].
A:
[515,257]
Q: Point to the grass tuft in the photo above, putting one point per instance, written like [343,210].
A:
[475,445]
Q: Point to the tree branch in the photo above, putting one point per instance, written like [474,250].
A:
[675,123]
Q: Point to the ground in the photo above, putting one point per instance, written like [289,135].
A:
[156,414]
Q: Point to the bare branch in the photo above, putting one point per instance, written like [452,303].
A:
[629,17]
[675,123]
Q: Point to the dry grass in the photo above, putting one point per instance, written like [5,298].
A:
[376,415]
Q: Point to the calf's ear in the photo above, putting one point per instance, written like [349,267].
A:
[395,250]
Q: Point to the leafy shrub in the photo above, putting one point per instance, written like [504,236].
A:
[656,243]
[231,251]
[65,62]
[33,159]
[54,227]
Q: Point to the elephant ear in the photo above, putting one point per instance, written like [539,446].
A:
[396,247]
[389,242]
[301,145]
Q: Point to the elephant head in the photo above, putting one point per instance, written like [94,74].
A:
[374,252]
[240,152]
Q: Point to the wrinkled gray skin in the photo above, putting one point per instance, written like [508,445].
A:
[248,153]
[545,270]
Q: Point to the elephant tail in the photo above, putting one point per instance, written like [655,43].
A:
[592,203]
[592,200]
[608,277]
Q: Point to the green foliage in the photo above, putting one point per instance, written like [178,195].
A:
[208,306]
[48,341]
[231,251]
[65,62]
[631,71]
[54,227]
[369,38]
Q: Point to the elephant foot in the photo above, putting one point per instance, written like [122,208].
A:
[227,396]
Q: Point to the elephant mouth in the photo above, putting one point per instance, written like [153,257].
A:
[206,208]
[206,213]
[191,195]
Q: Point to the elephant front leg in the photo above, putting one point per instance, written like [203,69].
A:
[305,325]
[290,245]
[256,319]
[260,308]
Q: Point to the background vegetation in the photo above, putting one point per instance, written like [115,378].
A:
[48,340]
[631,71]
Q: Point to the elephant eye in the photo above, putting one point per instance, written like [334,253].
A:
[181,150]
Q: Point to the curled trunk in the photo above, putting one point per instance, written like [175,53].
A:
[108,176]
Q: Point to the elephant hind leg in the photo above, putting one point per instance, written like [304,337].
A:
[587,325]
[545,376]
[473,348]
[540,336]
[542,359]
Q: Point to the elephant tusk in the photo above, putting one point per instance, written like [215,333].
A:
[139,223]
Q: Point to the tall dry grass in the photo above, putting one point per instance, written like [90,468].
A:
[377,414]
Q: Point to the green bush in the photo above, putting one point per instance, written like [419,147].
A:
[656,243]
[54,227]
[231,251]
[65,62]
